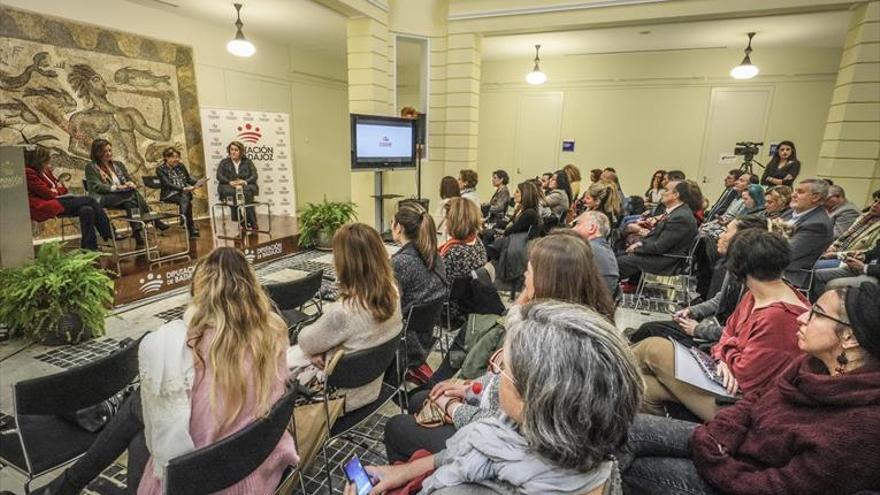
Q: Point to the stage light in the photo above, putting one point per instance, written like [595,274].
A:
[536,77]
[240,46]
[746,69]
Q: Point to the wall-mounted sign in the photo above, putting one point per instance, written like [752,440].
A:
[568,145]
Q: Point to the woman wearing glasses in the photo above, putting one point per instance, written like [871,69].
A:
[809,434]
[569,391]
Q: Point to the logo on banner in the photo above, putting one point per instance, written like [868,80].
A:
[385,142]
[249,133]
[151,283]
[249,255]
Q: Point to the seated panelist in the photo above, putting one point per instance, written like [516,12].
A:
[178,186]
[238,171]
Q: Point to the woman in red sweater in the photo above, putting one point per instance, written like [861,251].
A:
[758,341]
[49,198]
[815,431]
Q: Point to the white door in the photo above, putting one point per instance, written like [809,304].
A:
[735,115]
[537,142]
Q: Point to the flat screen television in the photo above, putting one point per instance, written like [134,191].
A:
[379,142]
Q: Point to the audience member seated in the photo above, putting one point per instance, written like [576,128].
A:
[777,200]
[560,267]
[467,183]
[812,229]
[558,199]
[610,175]
[108,182]
[858,268]
[807,435]
[783,168]
[593,227]
[753,199]
[177,186]
[544,181]
[736,208]
[568,392]
[701,324]
[463,252]
[525,219]
[602,197]
[367,312]
[729,194]
[841,211]
[235,172]
[857,247]
[861,235]
[655,191]
[574,179]
[420,273]
[48,198]
[202,379]
[758,339]
[496,209]
[448,189]
[674,234]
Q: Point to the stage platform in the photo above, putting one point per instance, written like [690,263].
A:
[139,278]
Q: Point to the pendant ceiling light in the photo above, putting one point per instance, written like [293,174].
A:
[240,46]
[746,69]
[536,77]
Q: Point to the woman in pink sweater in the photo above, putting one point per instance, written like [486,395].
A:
[202,379]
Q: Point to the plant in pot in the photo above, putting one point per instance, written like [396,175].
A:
[318,222]
[61,297]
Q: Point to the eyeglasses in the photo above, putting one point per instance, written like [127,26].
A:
[496,365]
[817,310]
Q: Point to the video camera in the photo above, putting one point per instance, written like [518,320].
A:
[747,149]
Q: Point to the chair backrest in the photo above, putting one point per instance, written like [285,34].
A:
[79,387]
[422,318]
[359,368]
[295,293]
[152,181]
[85,186]
[225,463]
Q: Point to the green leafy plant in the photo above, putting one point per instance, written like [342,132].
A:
[35,297]
[323,218]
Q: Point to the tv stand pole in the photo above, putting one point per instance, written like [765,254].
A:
[379,198]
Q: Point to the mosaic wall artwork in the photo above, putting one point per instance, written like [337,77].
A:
[63,84]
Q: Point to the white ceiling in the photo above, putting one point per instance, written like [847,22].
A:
[818,30]
[303,24]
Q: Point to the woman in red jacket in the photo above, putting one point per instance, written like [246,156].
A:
[759,339]
[48,198]
[815,432]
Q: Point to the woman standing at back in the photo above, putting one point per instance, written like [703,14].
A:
[367,312]
[202,379]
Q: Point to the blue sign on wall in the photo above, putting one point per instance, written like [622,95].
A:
[568,145]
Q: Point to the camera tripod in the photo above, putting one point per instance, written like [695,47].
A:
[748,162]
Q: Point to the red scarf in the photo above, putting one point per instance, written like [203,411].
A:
[446,246]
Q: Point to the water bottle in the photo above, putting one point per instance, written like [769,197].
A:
[239,195]
[472,394]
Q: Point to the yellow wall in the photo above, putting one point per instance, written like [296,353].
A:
[310,87]
[639,112]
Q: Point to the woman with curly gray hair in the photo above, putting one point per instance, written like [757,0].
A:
[570,389]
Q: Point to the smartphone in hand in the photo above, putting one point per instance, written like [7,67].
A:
[358,476]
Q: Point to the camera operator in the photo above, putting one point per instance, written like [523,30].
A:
[783,168]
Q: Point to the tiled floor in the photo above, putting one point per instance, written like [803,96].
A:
[19,361]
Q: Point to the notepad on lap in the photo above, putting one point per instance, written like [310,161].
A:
[689,370]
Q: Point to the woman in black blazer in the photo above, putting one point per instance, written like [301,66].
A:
[783,168]
[235,171]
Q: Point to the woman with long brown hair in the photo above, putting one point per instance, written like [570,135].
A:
[526,218]
[202,379]
[560,267]
[448,189]
[367,312]
[464,251]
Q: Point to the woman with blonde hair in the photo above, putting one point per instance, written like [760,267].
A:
[603,196]
[367,312]
[202,379]
[574,179]
[464,251]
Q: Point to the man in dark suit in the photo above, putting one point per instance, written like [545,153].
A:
[730,193]
[236,171]
[813,230]
[673,234]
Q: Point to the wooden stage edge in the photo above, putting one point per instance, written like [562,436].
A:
[140,279]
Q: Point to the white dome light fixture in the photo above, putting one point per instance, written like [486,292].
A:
[536,77]
[240,46]
[746,69]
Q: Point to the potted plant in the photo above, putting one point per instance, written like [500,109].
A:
[318,222]
[61,297]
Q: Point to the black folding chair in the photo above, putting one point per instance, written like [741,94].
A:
[353,370]
[225,463]
[419,331]
[291,299]
[46,440]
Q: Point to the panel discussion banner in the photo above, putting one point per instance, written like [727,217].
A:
[266,137]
